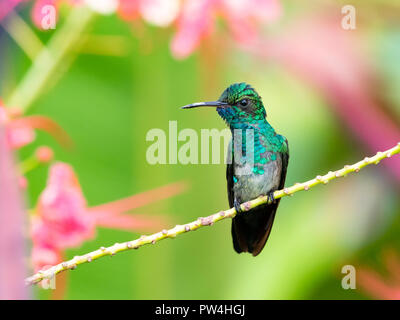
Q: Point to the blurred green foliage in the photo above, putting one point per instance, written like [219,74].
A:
[107,104]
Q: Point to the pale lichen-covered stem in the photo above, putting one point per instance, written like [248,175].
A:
[46,63]
[200,222]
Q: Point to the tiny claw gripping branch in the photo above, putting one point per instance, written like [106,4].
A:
[207,221]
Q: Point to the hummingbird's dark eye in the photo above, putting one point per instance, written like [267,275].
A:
[244,102]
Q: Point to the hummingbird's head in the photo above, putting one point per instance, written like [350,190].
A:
[239,103]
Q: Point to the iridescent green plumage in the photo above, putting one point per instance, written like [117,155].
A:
[253,117]
[242,109]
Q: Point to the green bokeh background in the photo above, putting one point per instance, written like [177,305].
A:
[107,104]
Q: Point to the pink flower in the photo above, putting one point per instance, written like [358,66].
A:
[20,130]
[197,19]
[63,219]
[196,22]
[44,253]
[243,17]
[44,154]
[17,136]
[128,9]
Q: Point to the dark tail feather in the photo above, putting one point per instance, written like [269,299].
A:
[250,230]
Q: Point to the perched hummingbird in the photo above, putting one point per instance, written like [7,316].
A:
[241,108]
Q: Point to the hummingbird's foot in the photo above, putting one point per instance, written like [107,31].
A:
[271,196]
[236,204]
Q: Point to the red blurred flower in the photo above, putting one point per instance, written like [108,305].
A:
[20,130]
[44,154]
[17,136]
[63,219]
[128,9]
[377,286]
[197,18]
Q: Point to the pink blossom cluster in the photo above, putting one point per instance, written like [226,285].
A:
[193,20]
[61,219]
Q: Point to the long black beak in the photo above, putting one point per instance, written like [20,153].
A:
[205,104]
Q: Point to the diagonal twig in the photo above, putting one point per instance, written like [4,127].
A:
[207,221]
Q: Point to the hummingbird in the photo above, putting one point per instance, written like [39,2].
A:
[241,107]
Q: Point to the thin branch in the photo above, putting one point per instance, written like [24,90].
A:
[22,34]
[207,221]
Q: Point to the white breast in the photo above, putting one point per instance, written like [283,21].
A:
[250,186]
